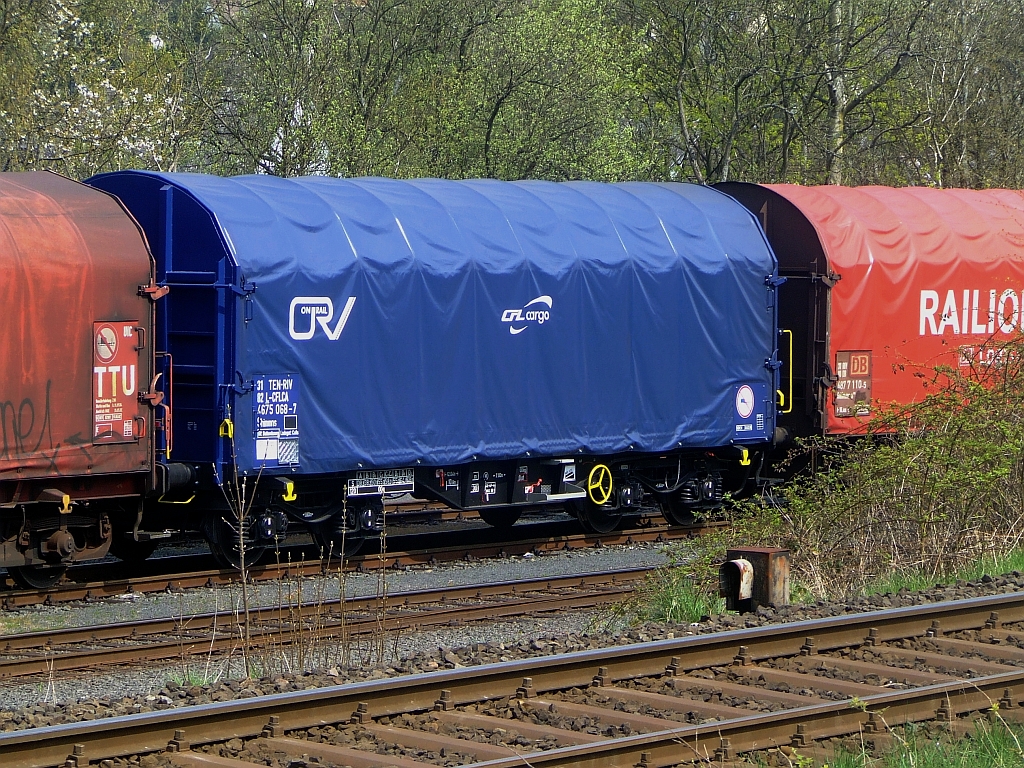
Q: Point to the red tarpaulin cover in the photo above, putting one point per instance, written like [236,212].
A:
[71,263]
[927,275]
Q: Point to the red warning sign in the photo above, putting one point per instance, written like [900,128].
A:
[115,382]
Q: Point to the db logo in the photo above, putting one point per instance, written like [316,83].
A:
[860,364]
[307,312]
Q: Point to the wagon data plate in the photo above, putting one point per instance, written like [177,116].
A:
[374,482]
[275,415]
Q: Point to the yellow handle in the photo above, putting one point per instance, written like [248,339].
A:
[161,500]
[783,402]
[227,429]
[745,458]
[289,491]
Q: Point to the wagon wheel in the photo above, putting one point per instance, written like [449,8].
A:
[677,513]
[223,542]
[503,517]
[596,513]
[332,541]
[596,519]
[37,576]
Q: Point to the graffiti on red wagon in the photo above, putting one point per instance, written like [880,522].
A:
[26,430]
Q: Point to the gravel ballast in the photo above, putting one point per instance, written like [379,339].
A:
[133,605]
[544,640]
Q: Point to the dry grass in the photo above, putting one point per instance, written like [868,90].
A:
[305,633]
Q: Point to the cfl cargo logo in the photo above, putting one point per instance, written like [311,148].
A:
[308,312]
[519,319]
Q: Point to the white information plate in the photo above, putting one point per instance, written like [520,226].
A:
[374,482]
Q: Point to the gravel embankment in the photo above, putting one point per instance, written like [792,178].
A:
[133,605]
[548,639]
[147,681]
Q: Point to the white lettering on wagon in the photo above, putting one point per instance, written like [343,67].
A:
[523,317]
[307,312]
[969,311]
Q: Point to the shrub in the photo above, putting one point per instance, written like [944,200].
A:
[930,488]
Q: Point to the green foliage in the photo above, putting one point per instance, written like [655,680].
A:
[684,591]
[988,746]
[413,88]
[89,86]
[673,595]
[857,91]
[994,564]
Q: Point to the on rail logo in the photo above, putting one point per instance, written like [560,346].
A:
[519,319]
[306,313]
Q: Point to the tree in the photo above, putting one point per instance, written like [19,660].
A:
[866,45]
[703,71]
[90,89]
[533,92]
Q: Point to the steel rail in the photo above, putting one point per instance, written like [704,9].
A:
[11,600]
[723,739]
[149,732]
[599,589]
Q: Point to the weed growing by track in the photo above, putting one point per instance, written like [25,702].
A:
[990,565]
[685,591]
[306,633]
[675,598]
[931,492]
[988,746]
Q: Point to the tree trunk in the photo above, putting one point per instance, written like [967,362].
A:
[836,144]
[837,94]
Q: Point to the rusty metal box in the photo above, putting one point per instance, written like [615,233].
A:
[766,582]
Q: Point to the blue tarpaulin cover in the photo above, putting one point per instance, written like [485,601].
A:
[438,321]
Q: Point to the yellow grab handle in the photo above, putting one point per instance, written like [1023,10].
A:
[289,491]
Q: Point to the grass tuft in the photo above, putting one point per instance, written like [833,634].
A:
[672,595]
[993,565]
[988,746]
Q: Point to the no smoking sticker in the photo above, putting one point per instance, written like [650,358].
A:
[744,401]
[106,343]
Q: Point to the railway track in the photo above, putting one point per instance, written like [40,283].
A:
[52,651]
[483,543]
[779,690]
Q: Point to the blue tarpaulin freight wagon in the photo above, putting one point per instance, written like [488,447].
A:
[353,324]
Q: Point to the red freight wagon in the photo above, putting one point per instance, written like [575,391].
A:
[882,281]
[76,357]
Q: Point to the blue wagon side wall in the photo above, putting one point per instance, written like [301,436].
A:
[194,320]
[659,306]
